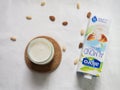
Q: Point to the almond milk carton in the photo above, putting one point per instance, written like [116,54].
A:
[95,43]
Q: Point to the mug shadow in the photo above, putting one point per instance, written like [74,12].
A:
[40,79]
[86,84]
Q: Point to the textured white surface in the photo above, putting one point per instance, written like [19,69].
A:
[15,75]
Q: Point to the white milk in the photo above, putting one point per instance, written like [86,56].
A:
[40,51]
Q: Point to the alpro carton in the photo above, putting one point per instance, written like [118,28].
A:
[95,43]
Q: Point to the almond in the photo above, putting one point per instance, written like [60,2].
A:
[82,32]
[52,18]
[89,15]
[91,37]
[65,23]
[13,38]
[43,3]
[76,61]
[103,38]
[28,17]
[78,5]
[80,45]
[63,48]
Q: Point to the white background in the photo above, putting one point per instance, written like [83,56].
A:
[15,75]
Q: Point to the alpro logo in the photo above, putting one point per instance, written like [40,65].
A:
[94,19]
[91,62]
[102,20]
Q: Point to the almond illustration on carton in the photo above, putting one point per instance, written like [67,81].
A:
[103,38]
[91,37]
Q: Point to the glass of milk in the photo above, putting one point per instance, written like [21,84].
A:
[40,51]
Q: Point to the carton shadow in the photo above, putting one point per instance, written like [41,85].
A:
[86,84]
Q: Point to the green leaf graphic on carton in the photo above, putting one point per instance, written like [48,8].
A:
[85,68]
[97,75]
[89,30]
[90,58]
[100,69]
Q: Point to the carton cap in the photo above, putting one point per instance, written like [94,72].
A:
[88,76]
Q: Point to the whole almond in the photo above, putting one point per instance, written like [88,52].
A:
[52,18]
[89,15]
[78,5]
[76,61]
[43,3]
[28,17]
[80,45]
[82,32]
[63,48]
[13,38]
[64,23]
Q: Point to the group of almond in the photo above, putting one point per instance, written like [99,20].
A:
[82,32]
[64,23]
